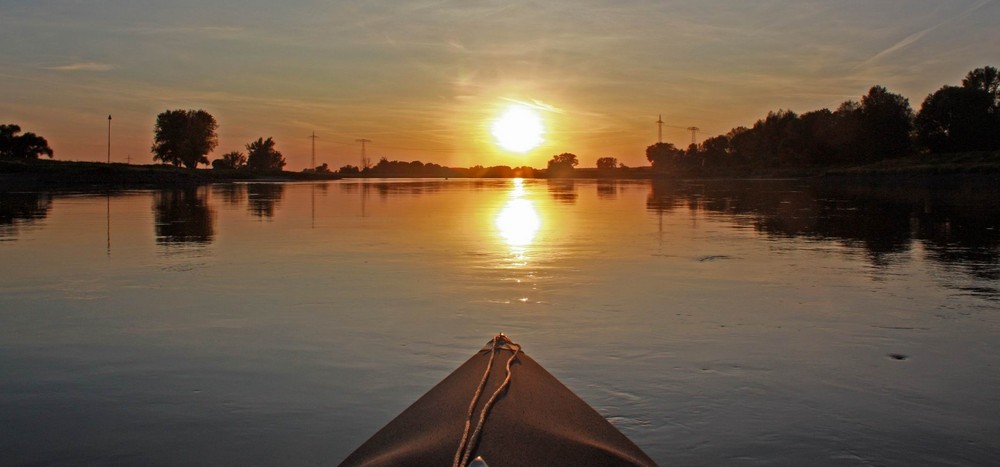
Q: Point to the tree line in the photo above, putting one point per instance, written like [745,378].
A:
[185,137]
[880,126]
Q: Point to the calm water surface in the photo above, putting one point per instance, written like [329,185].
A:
[715,323]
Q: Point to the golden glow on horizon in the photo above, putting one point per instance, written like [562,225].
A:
[518,221]
[519,129]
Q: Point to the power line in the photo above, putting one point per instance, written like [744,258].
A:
[693,129]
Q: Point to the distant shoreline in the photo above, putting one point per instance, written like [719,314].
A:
[54,174]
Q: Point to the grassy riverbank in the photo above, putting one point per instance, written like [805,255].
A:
[920,165]
[53,174]
[929,164]
[48,174]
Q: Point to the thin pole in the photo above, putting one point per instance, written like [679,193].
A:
[109,138]
[659,128]
[314,150]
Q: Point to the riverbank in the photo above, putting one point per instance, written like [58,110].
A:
[53,174]
[50,174]
[981,162]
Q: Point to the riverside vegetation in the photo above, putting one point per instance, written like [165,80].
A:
[957,130]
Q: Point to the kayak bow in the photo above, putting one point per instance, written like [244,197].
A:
[534,420]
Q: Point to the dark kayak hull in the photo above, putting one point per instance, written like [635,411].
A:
[537,421]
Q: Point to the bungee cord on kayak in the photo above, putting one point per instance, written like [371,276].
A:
[468,443]
[539,419]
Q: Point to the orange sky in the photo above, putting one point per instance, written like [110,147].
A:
[424,80]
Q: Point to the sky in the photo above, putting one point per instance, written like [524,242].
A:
[424,80]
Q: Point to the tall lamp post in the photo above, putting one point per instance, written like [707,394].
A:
[109,138]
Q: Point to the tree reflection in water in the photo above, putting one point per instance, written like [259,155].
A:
[956,223]
[232,194]
[18,210]
[264,198]
[563,190]
[182,215]
[607,189]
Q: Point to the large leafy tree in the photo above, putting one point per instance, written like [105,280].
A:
[184,137]
[886,122]
[965,118]
[607,163]
[262,156]
[26,146]
[986,78]
[562,165]
[662,154]
[955,119]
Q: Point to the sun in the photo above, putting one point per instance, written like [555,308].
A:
[519,129]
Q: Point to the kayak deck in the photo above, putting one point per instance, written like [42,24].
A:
[535,421]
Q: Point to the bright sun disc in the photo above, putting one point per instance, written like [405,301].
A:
[519,129]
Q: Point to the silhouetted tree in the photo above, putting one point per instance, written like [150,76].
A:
[231,160]
[814,137]
[716,150]
[774,134]
[498,171]
[349,170]
[184,137]
[26,146]
[879,126]
[965,118]
[742,143]
[524,171]
[986,78]
[565,159]
[956,119]
[886,124]
[562,164]
[845,134]
[262,156]
[662,155]
[607,163]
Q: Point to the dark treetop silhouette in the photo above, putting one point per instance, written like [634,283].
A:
[26,146]
[184,137]
[262,156]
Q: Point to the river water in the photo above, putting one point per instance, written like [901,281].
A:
[714,323]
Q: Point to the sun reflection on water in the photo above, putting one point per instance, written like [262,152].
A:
[518,221]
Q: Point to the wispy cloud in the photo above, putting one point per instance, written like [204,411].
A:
[913,38]
[536,104]
[906,41]
[81,66]
[215,32]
